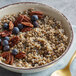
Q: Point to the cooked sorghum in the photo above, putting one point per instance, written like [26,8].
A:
[42,44]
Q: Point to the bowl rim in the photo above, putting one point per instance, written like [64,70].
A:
[48,64]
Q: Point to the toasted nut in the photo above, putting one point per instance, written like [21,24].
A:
[12,59]
[1,47]
[5,33]
[20,55]
[13,41]
[4,54]
[40,14]
[36,12]
[21,18]
[11,25]
[26,29]
[27,24]
[26,19]
[9,57]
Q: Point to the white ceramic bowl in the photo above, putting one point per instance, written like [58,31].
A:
[17,7]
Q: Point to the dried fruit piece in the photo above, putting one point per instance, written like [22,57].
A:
[13,41]
[26,29]
[11,25]
[5,33]
[20,55]
[27,24]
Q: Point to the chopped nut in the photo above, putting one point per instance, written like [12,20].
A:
[27,24]
[20,55]
[13,41]
[11,25]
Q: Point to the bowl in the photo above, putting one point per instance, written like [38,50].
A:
[18,7]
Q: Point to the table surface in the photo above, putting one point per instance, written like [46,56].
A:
[67,7]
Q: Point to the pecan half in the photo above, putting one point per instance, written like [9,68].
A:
[12,59]
[4,54]
[21,18]
[16,23]
[20,55]
[36,12]
[40,14]
[27,24]
[26,29]
[18,20]
[9,57]
[26,19]
[1,47]
[5,33]
[13,41]
[11,25]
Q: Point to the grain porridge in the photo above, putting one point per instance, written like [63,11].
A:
[31,39]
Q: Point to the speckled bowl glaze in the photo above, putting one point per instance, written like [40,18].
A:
[17,7]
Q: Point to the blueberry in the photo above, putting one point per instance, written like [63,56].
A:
[0,41]
[6,38]
[6,48]
[34,18]
[5,42]
[15,30]
[14,51]
[35,24]
[20,26]
[5,26]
